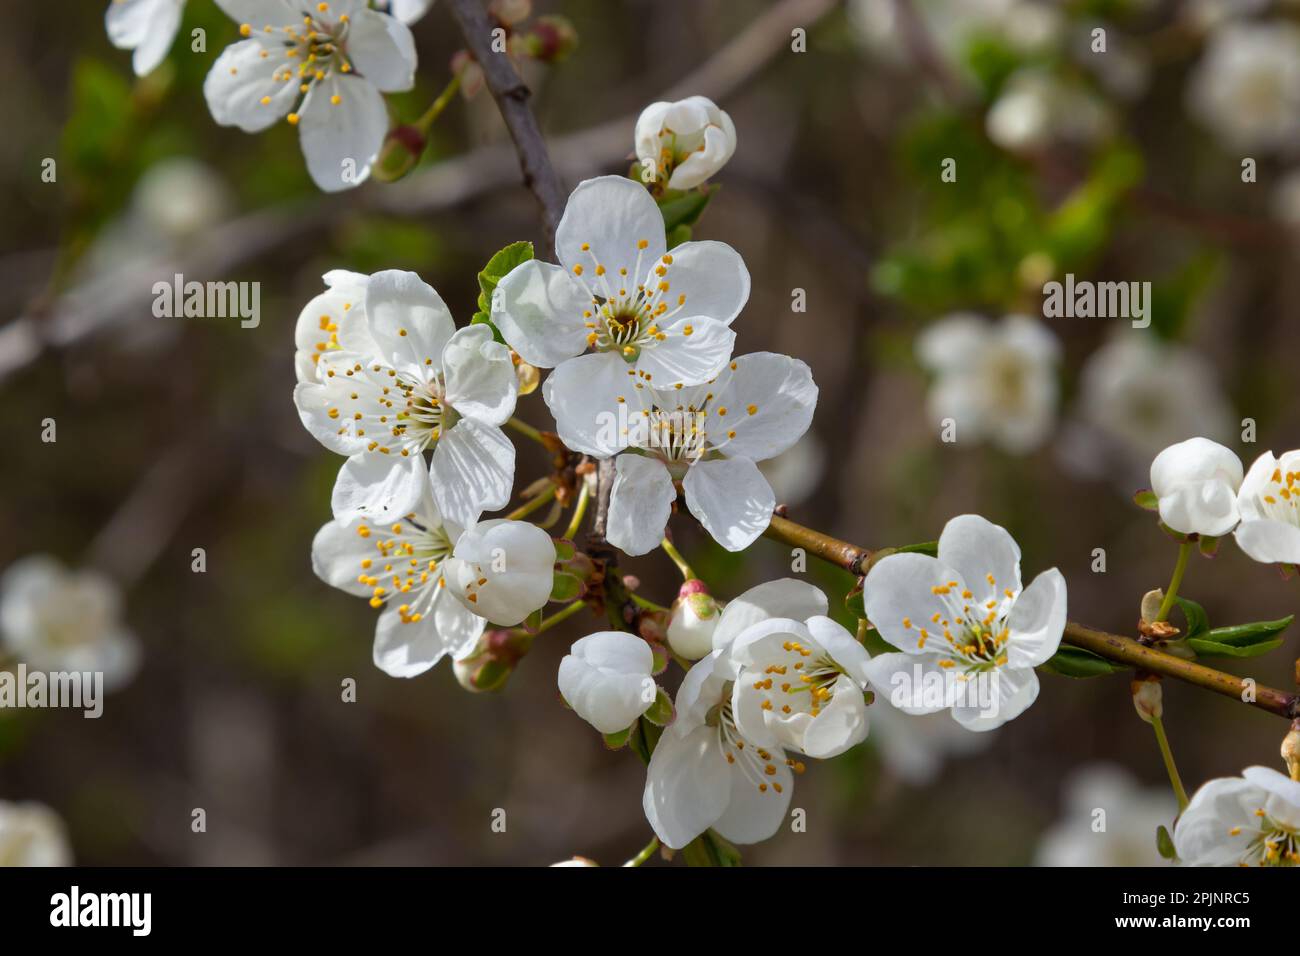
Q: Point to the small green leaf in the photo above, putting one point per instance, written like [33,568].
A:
[1079,663]
[565,587]
[1198,622]
[497,268]
[619,740]
[1241,640]
[1146,499]
[1165,843]
[564,549]
[684,208]
[661,712]
[1207,648]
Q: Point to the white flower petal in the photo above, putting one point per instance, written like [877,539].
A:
[769,401]
[612,215]
[502,570]
[480,377]
[539,309]
[712,276]
[840,725]
[146,26]
[382,50]
[731,498]
[341,139]
[409,649]
[473,470]
[784,598]
[976,548]
[1203,833]
[239,81]
[583,394]
[901,680]
[640,504]
[381,488]
[408,11]
[314,402]
[1016,690]
[842,646]
[900,600]
[693,351]
[1196,482]
[713,154]
[606,679]
[687,785]
[755,814]
[1037,620]
[337,553]
[409,321]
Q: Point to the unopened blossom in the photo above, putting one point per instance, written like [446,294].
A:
[401,379]
[704,772]
[622,298]
[606,679]
[146,27]
[55,619]
[31,834]
[502,570]
[1246,88]
[996,382]
[399,567]
[323,67]
[1251,820]
[1036,107]
[685,142]
[800,685]
[1107,820]
[1269,504]
[964,624]
[694,617]
[708,437]
[1196,482]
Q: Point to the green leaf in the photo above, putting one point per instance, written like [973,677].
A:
[1198,622]
[1146,499]
[684,208]
[1165,843]
[661,712]
[497,268]
[1079,663]
[1241,640]
[565,587]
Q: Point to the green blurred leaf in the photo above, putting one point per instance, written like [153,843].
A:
[1241,640]
[1079,663]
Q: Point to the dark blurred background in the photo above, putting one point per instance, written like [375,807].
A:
[175,434]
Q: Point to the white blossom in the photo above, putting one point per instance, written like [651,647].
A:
[146,27]
[1246,87]
[693,620]
[324,69]
[31,834]
[708,437]
[662,316]
[395,379]
[1251,820]
[1196,482]
[1269,505]
[1108,820]
[502,570]
[54,619]
[995,381]
[969,634]
[685,142]
[606,679]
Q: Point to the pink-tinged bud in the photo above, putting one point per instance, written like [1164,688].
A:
[471,74]
[694,617]
[402,149]
[1148,697]
[550,39]
[492,661]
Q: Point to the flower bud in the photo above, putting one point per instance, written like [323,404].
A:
[695,615]
[550,39]
[1148,697]
[492,661]
[402,149]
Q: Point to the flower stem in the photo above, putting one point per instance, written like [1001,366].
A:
[579,512]
[563,614]
[435,109]
[645,854]
[682,566]
[528,507]
[525,429]
[1167,605]
[645,602]
[1168,756]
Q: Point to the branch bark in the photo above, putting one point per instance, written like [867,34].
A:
[1114,647]
[511,96]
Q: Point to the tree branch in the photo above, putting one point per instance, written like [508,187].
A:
[511,95]
[1113,647]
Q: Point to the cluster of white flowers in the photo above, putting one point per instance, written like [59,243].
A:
[1202,489]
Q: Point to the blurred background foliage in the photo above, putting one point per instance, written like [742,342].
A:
[835,190]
